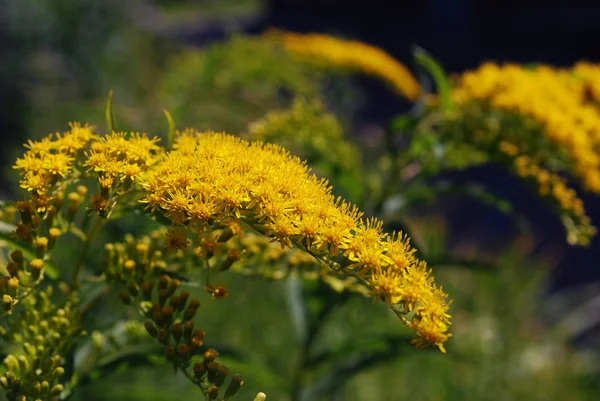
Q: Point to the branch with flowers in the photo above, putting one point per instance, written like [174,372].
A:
[211,192]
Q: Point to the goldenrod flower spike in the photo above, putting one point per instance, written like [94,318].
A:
[210,178]
[352,55]
[563,101]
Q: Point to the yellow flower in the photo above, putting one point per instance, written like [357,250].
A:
[48,164]
[352,55]
[563,101]
[260,185]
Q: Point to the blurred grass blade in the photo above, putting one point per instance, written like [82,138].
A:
[5,236]
[171,133]
[110,114]
[436,71]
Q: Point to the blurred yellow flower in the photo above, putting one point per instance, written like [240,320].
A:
[352,55]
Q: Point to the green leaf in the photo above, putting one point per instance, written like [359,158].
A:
[5,236]
[424,59]
[110,114]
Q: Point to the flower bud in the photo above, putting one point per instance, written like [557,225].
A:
[12,268]
[57,389]
[183,298]
[23,362]
[174,302]
[233,255]
[30,350]
[36,265]
[129,265]
[163,336]
[41,245]
[3,382]
[199,370]
[163,282]
[188,327]
[177,330]
[210,355]
[195,344]
[151,329]
[45,386]
[147,290]
[170,353]
[234,385]
[54,233]
[167,313]
[12,363]
[260,397]
[17,256]
[212,368]
[81,190]
[183,351]
[7,302]
[222,373]
[11,286]
[213,392]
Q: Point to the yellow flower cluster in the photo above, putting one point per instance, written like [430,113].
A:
[49,162]
[590,74]
[120,157]
[578,224]
[210,178]
[559,99]
[351,55]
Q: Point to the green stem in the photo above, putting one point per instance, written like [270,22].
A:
[86,244]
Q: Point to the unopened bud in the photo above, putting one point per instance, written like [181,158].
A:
[188,328]
[183,351]
[57,389]
[129,265]
[12,268]
[12,363]
[151,329]
[81,190]
[260,397]
[17,256]
[234,385]
[222,373]
[163,282]
[176,330]
[3,382]
[163,336]
[210,355]
[170,352]
[212,368]
[36,265]
[213,392]
[12,284]
[147,290]
[7,302]
[59,371]
[41,245]
[199,370]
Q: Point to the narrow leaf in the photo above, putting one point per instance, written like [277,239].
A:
[171,134]
[424,59]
